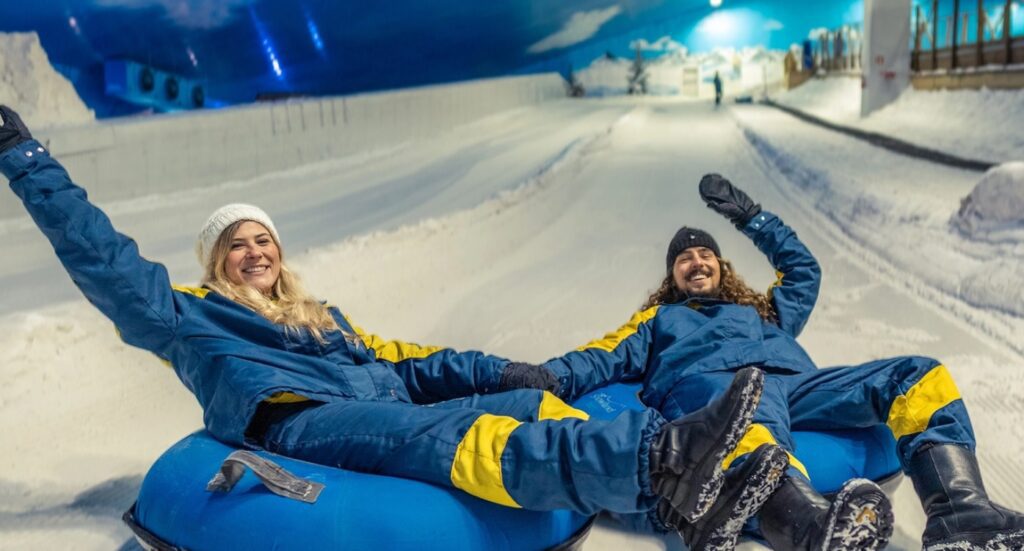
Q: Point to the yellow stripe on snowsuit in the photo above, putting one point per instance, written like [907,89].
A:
[194,291]
[756,436]
[612,340]
[285,398]
[777,283]
[392,351]
[476,468]
[553,408]
[911,412]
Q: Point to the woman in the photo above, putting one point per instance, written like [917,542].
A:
[704,323]
[275,369]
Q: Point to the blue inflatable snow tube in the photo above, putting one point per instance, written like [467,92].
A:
[174,510]
[354,511]
[831,457]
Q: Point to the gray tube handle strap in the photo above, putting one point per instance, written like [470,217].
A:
[273,476]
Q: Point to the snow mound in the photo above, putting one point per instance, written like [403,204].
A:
[605,76]
[33,88]
[995,204]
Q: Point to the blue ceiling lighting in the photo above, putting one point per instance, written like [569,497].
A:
[314,34]
[267,45]
[73,23]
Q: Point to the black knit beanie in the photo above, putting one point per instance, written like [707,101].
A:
[686,238]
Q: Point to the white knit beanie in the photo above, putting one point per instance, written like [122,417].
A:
[224,217]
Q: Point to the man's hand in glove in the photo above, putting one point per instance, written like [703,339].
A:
[524,375]
[728,200]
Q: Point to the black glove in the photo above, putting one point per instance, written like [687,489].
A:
[524,375]
[12,131]
[728,200]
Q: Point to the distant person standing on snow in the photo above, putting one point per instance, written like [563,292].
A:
[274,368]
[718,88]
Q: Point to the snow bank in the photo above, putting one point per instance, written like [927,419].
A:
[897,214]
[31,86]
[981,124]
[836,99]
[995,204]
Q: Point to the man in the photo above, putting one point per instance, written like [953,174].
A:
[717,81]
[704,323]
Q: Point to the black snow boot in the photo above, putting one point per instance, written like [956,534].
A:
[960,515]
[798,518]
[747,487]
[687,453]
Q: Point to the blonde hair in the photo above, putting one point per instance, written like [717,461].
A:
[287,304]
[732,288]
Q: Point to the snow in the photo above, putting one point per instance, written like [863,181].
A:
[978,124]
[744,71]
[526,234]
[898,210]
[27,80]
[995,205]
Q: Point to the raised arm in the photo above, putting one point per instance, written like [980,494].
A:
[134,293]
[433,373]
[620,355]
[795,291]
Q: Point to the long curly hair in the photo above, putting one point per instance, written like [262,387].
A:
[288,303]
[731,288]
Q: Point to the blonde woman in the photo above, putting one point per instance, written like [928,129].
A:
[276,369]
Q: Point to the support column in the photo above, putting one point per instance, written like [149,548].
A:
[887,51]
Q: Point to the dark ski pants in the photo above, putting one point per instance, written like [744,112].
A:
[914,396]
[524,448]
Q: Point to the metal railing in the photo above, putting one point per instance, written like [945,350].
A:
[993,41]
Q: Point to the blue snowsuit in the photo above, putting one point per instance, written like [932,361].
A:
[686,354]
[356,401]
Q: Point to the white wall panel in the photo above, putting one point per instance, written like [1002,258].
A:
[133,157]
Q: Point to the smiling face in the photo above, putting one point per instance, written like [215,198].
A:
[697,272]
[253,257]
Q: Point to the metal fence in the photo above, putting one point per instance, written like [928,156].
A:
[964,34]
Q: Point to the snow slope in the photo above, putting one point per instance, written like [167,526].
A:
[524,234]
[977,124]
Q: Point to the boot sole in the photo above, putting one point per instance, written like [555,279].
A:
[761,484]
[860,518]
[1014,541]
[749,397]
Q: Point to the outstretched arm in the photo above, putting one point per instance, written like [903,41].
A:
[795,291]
[134,293]
[620,355]
[433,373]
